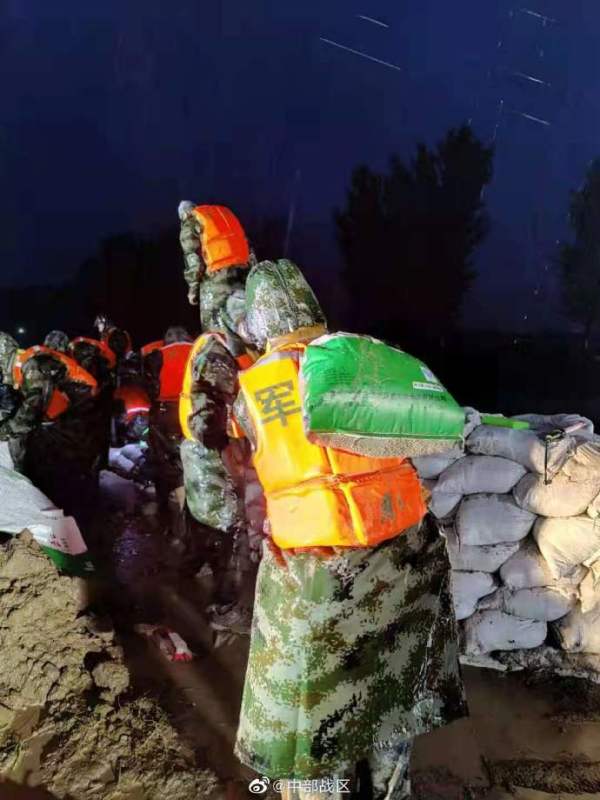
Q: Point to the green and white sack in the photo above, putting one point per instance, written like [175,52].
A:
[24,507]
[366,397]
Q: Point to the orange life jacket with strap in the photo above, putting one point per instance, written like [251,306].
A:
[135,400]
[319,496]
[59,402]
[185,398]
[224,242]
[174,361]
[151,347]
[104,350]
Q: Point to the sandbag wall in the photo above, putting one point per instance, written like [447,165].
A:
[520,514]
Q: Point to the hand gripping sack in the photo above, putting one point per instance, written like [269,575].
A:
[361,395]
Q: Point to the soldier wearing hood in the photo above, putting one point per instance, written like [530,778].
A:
[217,257]
[354,645]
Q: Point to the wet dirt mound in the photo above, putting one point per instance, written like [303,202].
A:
[68,718]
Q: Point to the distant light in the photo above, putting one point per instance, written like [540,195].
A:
[21,331]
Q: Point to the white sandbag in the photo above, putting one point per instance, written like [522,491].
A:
[566,543]
[486,558]
[472,421]
[467,588]
[589,588]
[543,424]
[429,467]
[487,631]
[477,474]
[593,510]
[492,519]
[542,602]
[442,505]
[527,568]
[525,447]
[584,463]
[545,604]
[579,632]
[559,498]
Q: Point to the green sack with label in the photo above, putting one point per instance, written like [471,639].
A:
[364,396]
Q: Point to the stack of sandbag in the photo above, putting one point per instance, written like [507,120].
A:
[519,509]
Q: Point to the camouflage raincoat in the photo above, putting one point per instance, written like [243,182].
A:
[213,495]
[351,655]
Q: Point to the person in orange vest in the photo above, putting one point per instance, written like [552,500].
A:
[216,260]
[50,437]
[354,644]
[164,369]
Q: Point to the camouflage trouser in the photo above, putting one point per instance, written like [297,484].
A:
[350,657]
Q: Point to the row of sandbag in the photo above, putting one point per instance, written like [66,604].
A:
[519,516]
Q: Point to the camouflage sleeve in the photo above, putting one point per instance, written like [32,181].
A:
[36,392]
[214,387]
[209,487]
[194,267]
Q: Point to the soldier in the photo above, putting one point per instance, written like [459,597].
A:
[354,645]
[164,369]
[50,437]
[217,256]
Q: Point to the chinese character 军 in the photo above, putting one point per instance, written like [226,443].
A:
[277,402]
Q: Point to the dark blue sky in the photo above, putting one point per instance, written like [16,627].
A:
[114,110]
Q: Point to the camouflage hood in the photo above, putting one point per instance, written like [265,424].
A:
[279,301]
[8,350]
[57,340]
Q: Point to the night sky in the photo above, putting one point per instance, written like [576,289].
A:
[114,110]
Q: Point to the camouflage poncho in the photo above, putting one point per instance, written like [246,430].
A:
[349,655]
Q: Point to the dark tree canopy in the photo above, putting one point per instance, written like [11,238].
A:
[408,236]
[580,261]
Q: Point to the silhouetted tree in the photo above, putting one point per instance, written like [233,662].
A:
[580,262]
[408,236]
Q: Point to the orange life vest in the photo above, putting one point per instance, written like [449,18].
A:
[59,402]
[135,400]
[105,351]
[174,361]
[185,398]
[318,496]
[151,347]
[224,242]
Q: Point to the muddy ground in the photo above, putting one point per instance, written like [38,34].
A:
[528,737]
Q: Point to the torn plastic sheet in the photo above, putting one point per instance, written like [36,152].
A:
[26,508]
